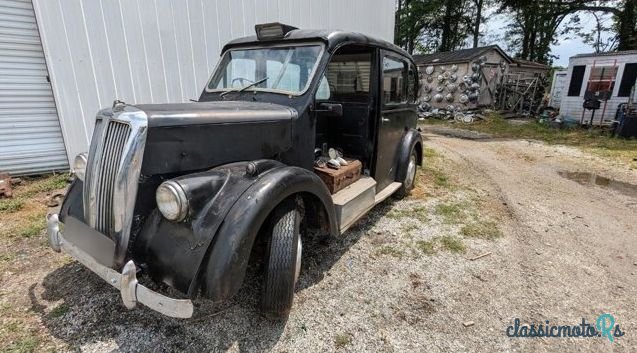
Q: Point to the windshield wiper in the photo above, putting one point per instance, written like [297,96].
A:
[243,88]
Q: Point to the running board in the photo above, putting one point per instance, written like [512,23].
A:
[357,199]
[387,192]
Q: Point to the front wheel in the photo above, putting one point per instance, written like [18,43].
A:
[410,176]
[283,261]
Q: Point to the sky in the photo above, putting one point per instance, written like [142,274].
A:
[567,46]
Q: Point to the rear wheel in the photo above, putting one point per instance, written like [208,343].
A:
[410,176]
[283,261]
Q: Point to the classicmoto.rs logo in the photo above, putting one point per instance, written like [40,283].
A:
[604,327]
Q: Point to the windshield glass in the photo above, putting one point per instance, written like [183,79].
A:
[283,69]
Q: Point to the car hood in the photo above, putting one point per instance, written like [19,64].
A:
[220,112]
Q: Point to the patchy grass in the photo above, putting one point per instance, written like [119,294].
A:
[32,226]
[23,215]
[481,229]
[426,246]
[418,212]
[407,228]
[596,141]
[449,243]
[23,345]
[452,244]
[342,339]
[431,178]
[44,184]
[451,212]
[59,311]
[11,205]
[390,251]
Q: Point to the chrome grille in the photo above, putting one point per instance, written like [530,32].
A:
[112,173]
[115,138]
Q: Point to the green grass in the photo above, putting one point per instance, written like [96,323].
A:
[426,246]
[342,339]
[446,242]
[59,311]
[450,212]
[596,140]
[390,251]
[11,205]
[418,212]
[45,184]
[407,228]
[23,345]
[452,244]
[481,229]
[32,226]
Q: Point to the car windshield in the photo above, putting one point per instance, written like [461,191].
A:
[279,69]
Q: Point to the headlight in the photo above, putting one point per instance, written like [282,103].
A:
[172,201]
[79,165]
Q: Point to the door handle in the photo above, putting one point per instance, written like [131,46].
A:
[385,120]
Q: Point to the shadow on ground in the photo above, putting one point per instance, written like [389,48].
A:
[91,316]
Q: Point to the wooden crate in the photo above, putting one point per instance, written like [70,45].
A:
[337,179]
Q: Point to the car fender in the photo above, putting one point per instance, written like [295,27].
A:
[229,255]
[411,139]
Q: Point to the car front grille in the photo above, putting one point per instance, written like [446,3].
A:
[112,174]
[115,139]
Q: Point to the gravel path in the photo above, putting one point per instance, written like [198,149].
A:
[568,252]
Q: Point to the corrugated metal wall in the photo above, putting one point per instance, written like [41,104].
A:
[155,51]
[30,137]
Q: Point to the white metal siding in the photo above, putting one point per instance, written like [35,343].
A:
[571,107]
[30,137]
[152,51]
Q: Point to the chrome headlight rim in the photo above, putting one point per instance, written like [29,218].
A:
[79,165]
[175,190]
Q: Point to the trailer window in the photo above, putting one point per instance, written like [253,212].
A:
[577,78]
[602,79]
[628,80]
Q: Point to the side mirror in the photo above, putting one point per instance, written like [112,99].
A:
[330,109]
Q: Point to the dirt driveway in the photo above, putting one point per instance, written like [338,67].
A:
[405,279]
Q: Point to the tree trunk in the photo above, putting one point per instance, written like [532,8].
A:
[627,33]
[445,39]
[478,20]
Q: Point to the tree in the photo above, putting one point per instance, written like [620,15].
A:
[431,25]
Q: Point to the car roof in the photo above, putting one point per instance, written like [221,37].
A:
[332,38]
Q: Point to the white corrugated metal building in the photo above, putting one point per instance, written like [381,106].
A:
[61,61]
[613,72]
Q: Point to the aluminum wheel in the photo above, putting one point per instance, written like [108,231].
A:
[411,172]
[297,270]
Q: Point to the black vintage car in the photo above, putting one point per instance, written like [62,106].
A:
[182,191]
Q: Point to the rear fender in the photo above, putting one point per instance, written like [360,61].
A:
[411,140]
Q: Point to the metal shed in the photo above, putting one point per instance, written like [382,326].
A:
[462,79]
[139,51]
[30,136]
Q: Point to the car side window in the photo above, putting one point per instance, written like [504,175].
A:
[394,80]
[323,91]
[412,84]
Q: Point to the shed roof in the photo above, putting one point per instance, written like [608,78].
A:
[458,56]
[532,64]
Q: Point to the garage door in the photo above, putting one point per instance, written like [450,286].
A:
[30,137]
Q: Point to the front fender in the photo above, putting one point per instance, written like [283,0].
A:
[228,259]
[412,139]
[172,252]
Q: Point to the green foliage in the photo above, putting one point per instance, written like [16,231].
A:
[11,205]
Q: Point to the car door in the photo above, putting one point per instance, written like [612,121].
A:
[395,113]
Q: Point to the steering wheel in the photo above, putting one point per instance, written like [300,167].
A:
[242,80]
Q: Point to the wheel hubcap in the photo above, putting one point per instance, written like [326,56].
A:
[297,269]
[411,171]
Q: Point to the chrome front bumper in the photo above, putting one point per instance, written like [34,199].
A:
[126,282]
